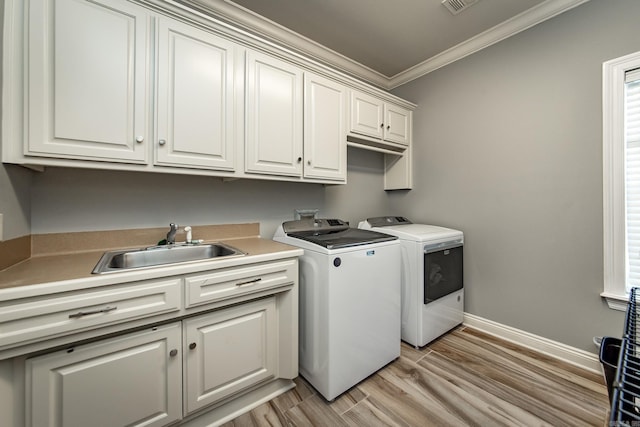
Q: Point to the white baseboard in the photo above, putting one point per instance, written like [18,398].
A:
[575,356]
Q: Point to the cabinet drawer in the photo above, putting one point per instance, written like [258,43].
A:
[232,282]
[65,313]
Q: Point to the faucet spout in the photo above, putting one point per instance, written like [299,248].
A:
[171,235]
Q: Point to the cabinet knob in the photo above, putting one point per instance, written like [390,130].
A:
[192,346]
[381,125]
[388,127]
[162,142]
[139,139]
[173,353]
[299,159]
[309,162]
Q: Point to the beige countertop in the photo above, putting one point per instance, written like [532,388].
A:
[55,272]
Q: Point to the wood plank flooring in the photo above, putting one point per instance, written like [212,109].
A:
[465,378]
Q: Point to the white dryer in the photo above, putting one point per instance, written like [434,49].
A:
[432,276]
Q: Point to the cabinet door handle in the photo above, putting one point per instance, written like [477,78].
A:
[173,353]
[299,159]
[249,282]
[86,313]
[192,346]
[139,139]
[162,142]
[388,127]
[381,125]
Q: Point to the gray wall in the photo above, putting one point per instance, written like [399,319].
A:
[15,201]
[14,185]
[80,200]
[508,146]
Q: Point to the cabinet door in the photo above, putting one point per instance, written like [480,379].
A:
[195,98]
[273,116]
[397,124]
[228,351]
[133,380]
[88,80]
[325,137]
[367,115]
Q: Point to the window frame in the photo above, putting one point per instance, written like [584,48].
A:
[613,149]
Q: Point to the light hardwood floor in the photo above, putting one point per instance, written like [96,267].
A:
[465,378]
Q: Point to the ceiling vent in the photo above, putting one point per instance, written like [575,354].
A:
[457,6]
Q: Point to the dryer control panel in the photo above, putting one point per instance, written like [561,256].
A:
[382,221]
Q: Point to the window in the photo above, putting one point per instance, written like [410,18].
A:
[621,167]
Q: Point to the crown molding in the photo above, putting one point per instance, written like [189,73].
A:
[265,29]
[515,25]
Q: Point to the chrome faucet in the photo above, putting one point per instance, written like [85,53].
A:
[171,235]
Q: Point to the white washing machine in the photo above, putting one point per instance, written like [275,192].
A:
[349,301]
[432,276]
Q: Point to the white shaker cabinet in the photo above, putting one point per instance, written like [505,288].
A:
[88,79]
[195,125]
[397,123]
[228,351]
[273,116]
[375,118]
[132,380]
[367,115]
[159,87]
[231,342]
[325,134]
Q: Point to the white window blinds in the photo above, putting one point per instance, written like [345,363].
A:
[632,176]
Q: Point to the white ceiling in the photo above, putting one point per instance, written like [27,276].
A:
[388,42]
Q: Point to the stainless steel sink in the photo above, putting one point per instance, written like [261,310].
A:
[154,256]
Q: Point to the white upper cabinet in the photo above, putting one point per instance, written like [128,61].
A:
[273,116]
[367,115]
[159,87]
[397,124]
[378,119]
[195,125]
[88,79]
[325,134]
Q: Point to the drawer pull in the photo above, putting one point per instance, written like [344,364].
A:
[249,282]
[86,313]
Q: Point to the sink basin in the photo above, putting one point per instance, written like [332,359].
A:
[161,255]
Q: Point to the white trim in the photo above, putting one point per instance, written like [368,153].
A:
[616,301]
[263,27]
[515,25]
[572,355]
[613,168]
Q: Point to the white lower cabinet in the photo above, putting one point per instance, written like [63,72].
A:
[132,380]
[228,351]
[206,364]
[146,378]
